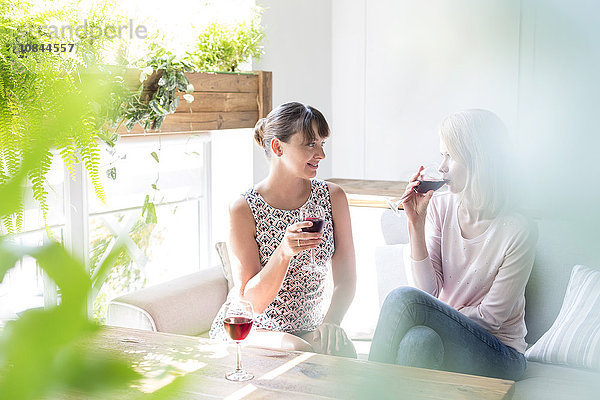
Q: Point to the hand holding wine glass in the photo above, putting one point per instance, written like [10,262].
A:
[315,214]
[419,192]
[238,322]
[296,240]
[426,179]
[430,178]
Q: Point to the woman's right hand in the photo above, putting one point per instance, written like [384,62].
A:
[296,241]
[415,204]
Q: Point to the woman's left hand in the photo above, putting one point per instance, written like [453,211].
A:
[330,339]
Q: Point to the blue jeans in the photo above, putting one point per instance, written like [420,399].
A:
[418,330]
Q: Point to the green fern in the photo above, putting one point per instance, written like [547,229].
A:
[38,181]
[67,153]
[31,93]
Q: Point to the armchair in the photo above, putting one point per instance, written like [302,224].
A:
[188,306]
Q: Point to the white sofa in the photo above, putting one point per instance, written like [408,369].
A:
[184,306]
[544,296]
[189,304]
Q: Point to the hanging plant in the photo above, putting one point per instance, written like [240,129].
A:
[37,70]
[162,76]
[28,88]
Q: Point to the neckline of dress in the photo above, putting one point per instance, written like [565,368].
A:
[310,196]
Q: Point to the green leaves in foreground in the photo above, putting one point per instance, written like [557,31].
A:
[44,351]
[35,92]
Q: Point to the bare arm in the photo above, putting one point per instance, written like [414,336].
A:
[260,286]
[329,337]
[344,261]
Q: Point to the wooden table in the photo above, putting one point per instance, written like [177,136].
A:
[370,193]
[282,374]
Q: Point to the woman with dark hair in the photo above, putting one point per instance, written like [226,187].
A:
[270,252]
[470,259]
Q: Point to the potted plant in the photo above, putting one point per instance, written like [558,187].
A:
[222,97]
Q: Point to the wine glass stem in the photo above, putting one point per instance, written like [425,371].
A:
[312,257]
[238,362]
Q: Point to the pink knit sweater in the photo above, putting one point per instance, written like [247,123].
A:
[484,278]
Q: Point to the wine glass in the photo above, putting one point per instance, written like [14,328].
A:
[238,322]
[430,178]
[316,214]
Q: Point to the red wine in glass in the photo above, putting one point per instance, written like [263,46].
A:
[238,328]
[316,214]
[430,178]
[317,224]
[427,185]
[237,322]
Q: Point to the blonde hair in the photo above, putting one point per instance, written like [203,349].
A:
[478,139]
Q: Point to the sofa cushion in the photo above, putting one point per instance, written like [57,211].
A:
[574,338]
[223,253]
[548,280]
[393,227]
[389,265]
[185,306]
[554,382]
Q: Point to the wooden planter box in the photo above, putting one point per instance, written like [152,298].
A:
[221,101]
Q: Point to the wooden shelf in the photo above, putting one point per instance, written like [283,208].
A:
[221,101]
[370,193]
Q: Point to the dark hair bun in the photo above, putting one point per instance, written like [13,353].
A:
[259,132]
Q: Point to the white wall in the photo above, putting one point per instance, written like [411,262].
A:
[559,119]
[385,72]
[401,66]
[297,49]
[348,38]
[231,149]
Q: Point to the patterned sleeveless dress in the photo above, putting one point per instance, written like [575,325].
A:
[302,301]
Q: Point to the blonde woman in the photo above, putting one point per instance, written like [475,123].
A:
[470,258]
[271,252]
